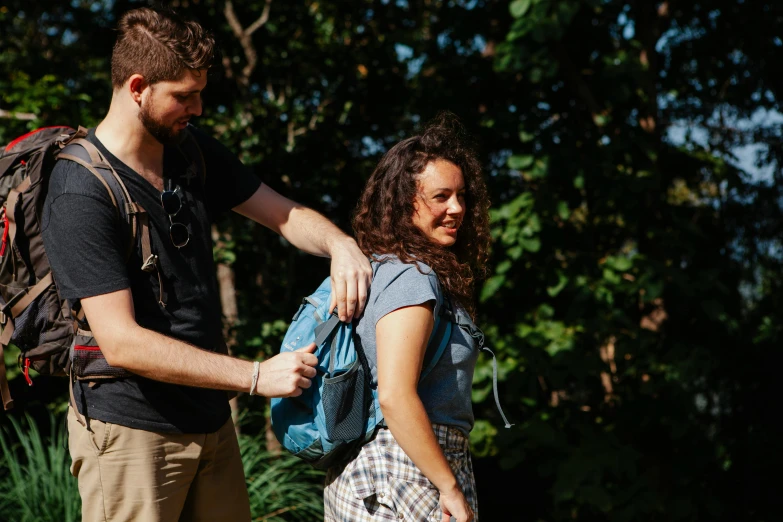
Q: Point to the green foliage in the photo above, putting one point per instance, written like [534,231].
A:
[281,488]
[35,482]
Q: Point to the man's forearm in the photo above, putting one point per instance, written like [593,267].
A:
[304,228]
[308,230]
[311,232]
[161,358]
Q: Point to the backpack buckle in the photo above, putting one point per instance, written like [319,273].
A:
[151,264]
[130,208]
[3,318]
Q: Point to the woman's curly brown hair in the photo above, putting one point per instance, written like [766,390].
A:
[383,222]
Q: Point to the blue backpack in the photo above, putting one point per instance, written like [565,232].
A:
[340,411]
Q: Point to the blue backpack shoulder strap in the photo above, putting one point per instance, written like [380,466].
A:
[441,334]
[325,329]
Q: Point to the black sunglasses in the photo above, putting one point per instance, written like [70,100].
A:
[171,199]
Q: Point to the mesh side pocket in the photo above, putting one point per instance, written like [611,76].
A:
[30,324]
[44,334]
[344,405]
[88,362]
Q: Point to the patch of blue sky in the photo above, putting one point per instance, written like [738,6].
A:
[404,52]
[372,146]
[744,157]
[627,24]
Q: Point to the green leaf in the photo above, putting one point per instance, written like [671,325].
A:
[545,311]
[562,280]
[531,245]
[518,8]
[611,276]
[526,137]
[492,285]
[520,162]
[503,267]
[620,264]
[563,211]
[515,252]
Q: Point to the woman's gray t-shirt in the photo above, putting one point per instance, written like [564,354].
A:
[446,390]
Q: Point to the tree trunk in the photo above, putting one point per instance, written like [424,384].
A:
[228,303]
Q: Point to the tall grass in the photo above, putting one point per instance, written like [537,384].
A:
[35,481]
[36,484]
[281,487]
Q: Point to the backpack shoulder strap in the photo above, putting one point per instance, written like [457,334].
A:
[440,337]
[85,153]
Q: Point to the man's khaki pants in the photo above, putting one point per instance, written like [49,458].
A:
[126,474]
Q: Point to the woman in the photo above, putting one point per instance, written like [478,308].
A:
[423,216]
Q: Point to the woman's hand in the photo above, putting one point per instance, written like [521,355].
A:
[453,504]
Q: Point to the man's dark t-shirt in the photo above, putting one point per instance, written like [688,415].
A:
[87,245]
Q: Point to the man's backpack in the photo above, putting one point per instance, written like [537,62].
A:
[54,339]
[340,410]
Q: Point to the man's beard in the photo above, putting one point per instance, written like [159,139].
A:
[166,135]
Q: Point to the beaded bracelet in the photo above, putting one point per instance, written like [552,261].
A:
[256,367]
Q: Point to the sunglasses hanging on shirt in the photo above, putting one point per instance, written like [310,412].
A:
[171,200]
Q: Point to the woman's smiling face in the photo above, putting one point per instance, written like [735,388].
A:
[440,203]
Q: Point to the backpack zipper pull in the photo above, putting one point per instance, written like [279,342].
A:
[5,234]
[27,371]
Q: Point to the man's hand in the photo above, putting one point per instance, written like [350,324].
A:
[351,276]
[310,231]
[287,374]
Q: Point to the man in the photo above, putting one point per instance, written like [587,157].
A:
[161,446]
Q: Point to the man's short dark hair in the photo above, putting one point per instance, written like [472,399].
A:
[160,45]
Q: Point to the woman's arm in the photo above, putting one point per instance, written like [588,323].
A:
[402,337]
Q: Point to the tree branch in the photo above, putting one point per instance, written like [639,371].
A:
[243,35]
[649,21]
[24,116]
[261,20]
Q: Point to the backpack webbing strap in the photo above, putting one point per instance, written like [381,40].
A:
[323,330]
[5,338]
[150,260]
[8,331]
[97,161]
[136,215]
[72,399]
[89,167]
[478,336]
[5,391]
[441,330]
[15,306]
[10,209]
[23,299]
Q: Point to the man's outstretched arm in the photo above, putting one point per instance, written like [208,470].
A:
[308,230]
[127,345]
